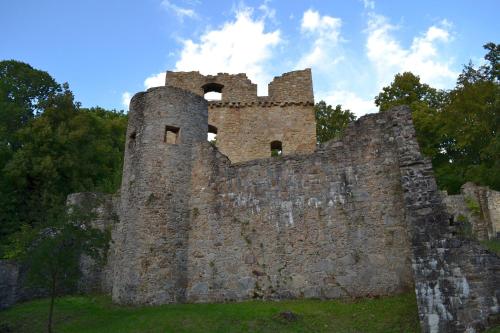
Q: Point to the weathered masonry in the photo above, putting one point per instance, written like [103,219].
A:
[477,206]
[195,227]
[248,126]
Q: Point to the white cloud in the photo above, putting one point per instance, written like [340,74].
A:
[369,4]
[126,96]
[155,80]
[355,82]
[180,12]
[422,58]
[268,12]
[239,46]
[213,96]
[323,56]
[310,20]
[350,100]
[246,44]
[326,26]
[325,34]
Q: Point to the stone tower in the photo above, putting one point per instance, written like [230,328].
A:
[164,124]
[248,126]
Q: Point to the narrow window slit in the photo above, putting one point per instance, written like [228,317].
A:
[276,148]
[171,135]
[212,134]
[131,142]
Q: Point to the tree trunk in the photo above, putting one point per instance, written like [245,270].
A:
[52,297]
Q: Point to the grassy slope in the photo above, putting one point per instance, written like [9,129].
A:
[97,314]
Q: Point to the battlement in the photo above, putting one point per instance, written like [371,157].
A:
[249,126]
[293,87]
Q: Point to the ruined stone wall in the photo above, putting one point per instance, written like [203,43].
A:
[13,284]
[9,283]
[494,210]
[236,88]
[246,133]
[484,217]
[457,282]
[196,227]
[292,87]
[329,224]
[246,123]
[97,278]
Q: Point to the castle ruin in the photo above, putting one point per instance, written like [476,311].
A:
[359,216]
[354,217]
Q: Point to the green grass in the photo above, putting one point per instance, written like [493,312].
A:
[492,245]
[97,314]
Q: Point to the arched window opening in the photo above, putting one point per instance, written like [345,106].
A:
[171,135]
[213,96]
[212,134]
[212,91]
[276,148]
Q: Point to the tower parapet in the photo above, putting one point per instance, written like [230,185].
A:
[234,87]
[249,126]
[291,87]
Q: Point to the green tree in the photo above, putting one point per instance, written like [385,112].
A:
[490,71]
[61,148]
[406,89]
[66,149]
[331,122]
[457,129]
[472,123]
[51,253]
[424,101]
[22,91]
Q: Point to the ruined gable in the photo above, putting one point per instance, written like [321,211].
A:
[247,124]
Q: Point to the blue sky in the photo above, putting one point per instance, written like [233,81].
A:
[107,50]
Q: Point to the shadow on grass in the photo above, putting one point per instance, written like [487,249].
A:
[97,314]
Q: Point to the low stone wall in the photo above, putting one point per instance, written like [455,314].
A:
[97,278]
[9,282]
[477,205]
[13,287]
[94,278]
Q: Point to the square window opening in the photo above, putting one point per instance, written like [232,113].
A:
[171,135]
